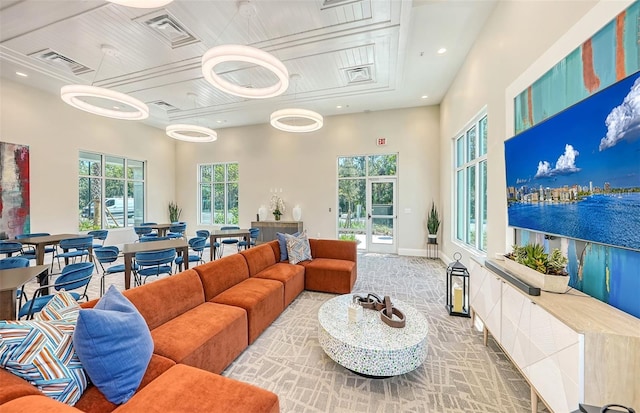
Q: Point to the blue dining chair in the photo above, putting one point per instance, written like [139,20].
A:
[8,248]
[197,245]
[153,263]
[74,248]
[253,238]
[28,251]
[16,262]
[105,256]
[73,277]
[177,230]
[142,230]
[100,235]
[228,241]
[204,233]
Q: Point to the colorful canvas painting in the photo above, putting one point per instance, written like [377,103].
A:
[14,189]
[610,55]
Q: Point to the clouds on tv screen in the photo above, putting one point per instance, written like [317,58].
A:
[565,164]
[623,122]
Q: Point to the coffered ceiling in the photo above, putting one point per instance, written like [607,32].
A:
[362,55]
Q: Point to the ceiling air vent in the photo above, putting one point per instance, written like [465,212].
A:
[359,74]
[168,28]
[52,57]
[164,105]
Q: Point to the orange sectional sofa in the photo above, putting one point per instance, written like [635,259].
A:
[201,320]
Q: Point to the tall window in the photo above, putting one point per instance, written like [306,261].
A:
[110,191]
[471,184]
[218,193]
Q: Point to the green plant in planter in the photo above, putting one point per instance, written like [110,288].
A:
[174,212]
[433,220]
[533,256]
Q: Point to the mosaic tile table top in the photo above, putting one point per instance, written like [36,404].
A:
[369,346]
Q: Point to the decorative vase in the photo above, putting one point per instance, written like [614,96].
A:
[297,213]
[546,282]
[277,216]
[262,213]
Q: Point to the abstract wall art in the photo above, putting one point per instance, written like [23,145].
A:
[14,190]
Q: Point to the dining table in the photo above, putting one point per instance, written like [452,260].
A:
[161,228]
[11,280]
[129,252]
[40,242]
[227,233]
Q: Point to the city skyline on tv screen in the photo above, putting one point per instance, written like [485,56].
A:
[577,174]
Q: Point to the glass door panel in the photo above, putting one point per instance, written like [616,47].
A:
[381,235]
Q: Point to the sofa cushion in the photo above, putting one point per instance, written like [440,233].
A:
[185,389]
[262,299]
[282,241]
[298,248]
[164,299]
[37,404]
[42,352]
[93,400]
[114,344]
[12,387]
[209,336]
[329,275]
[291,276]
[333,248]
[258,258]
[219,275]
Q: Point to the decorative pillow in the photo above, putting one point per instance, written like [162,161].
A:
[283,245]
[298,248]
[114,344]
[41,351]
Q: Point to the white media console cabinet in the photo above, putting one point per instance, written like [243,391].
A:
[570,347]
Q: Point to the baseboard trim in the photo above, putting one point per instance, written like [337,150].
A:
[412,252]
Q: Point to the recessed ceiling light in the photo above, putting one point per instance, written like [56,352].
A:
[339,107]
[22,74]
[442,50]
[220,121]
[424,97]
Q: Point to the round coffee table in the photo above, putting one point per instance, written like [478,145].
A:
[370,347]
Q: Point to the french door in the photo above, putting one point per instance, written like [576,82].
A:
[381,215]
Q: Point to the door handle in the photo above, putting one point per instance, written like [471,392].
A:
[369,216]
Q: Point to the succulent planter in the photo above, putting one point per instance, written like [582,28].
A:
[546,282]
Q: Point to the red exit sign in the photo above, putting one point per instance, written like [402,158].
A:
[382,141]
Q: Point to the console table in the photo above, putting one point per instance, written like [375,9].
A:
[571,348]
[268,229]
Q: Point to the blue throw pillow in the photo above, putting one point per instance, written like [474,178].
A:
[284,256]
[114,345]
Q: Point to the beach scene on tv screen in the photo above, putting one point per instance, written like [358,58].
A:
[577,174]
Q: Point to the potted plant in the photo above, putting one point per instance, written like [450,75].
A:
[277,207]
[433,223]
[533,265]
[174,212]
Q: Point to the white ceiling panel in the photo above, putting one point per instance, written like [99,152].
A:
[360,54]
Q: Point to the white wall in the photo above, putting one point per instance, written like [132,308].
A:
[304,166]
[56,132]
[517,37]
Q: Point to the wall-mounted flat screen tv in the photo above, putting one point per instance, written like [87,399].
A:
[577,174]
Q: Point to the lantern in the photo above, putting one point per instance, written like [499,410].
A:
[457,288]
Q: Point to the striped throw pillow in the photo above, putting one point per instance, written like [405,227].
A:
[41,351]
[298,248]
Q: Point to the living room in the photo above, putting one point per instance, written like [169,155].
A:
[519,42]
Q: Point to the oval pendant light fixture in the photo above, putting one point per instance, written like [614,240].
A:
[245,54]
[294,114]
[191,133]
[117,105]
